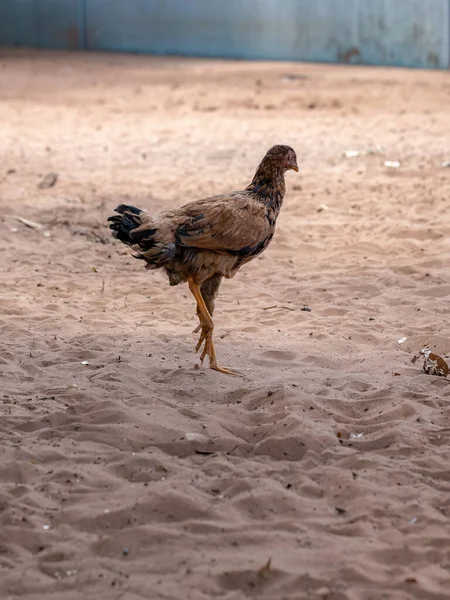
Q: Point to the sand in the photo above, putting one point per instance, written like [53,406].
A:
[138,475]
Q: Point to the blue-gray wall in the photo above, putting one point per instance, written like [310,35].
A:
[412,33]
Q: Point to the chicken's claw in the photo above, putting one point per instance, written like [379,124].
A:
[217,367]
[207,327]
[210,351]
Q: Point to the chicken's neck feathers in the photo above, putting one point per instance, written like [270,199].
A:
[269,186]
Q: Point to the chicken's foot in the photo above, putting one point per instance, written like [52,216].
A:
[207,327]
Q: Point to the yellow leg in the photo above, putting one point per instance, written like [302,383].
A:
[207,327]
[202,337]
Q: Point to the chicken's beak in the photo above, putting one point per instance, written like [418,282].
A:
[294,167]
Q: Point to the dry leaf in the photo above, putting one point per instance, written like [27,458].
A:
[265,570]
[441,364]
[433,364]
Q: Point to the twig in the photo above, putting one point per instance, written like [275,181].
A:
[31,224]
[279,306]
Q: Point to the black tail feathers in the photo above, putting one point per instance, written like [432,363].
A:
[134,227]
[123,223]
[122,208]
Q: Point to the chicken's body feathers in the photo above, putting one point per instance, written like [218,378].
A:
[206,240]
[207,237]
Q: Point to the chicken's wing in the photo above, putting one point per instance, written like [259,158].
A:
[236,224]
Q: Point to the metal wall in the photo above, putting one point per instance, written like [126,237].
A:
[384,32]
[42,23]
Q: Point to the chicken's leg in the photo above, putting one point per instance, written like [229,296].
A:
[207,326]
[209,290]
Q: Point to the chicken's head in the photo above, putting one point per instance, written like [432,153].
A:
[284,156]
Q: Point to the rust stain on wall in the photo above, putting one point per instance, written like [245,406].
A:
[346,57]
[72,37]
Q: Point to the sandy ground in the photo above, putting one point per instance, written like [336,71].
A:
[138,476]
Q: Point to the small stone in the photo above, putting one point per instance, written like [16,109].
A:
[322,592]
[48,181]
[351,153]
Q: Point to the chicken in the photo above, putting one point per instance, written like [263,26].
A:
[206,240]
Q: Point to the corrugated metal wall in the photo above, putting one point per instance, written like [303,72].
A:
[387,32]
[42,23]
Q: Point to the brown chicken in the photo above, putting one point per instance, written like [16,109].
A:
[209,239]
